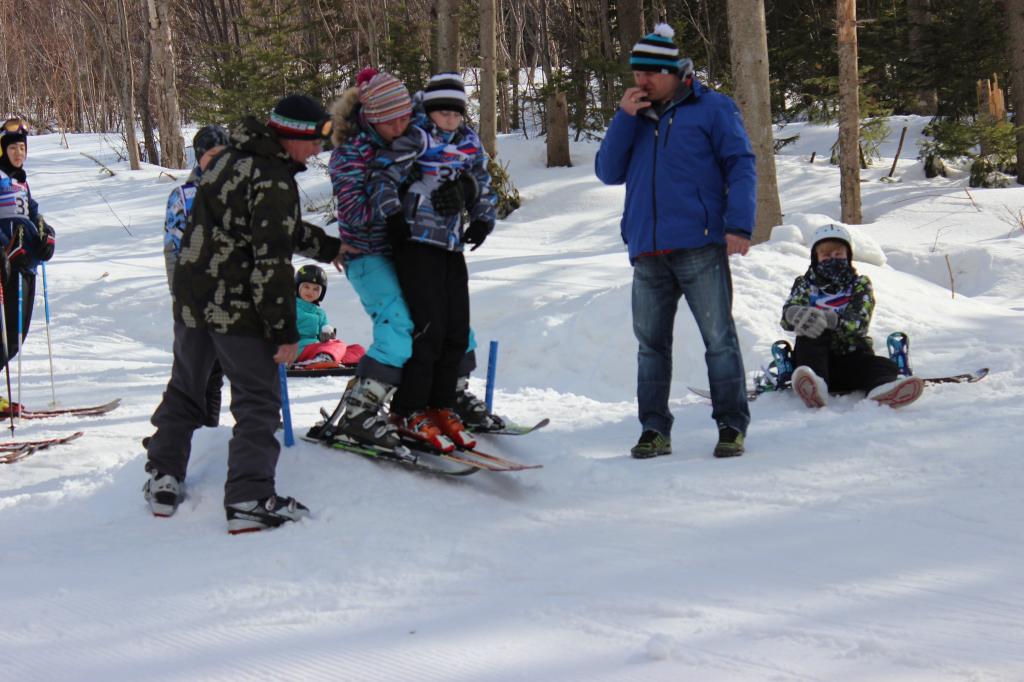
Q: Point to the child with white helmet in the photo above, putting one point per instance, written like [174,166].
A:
[830,308]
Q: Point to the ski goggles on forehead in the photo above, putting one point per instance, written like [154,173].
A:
[14,125]
[324,128]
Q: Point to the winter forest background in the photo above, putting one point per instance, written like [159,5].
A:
[539,66]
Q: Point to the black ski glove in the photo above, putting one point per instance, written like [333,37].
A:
[398,232]
[448,199]
[47,240]
[470,190]
[476,233]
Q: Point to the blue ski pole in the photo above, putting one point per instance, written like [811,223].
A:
[492,363]
[49,346]
[286,408]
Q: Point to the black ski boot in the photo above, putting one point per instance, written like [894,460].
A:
[473,411]
[163,492]
[270,512]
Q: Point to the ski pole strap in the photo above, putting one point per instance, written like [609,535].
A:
[492,363]
[286,409]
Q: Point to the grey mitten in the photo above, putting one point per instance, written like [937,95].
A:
[327,332]
[831,318]
[807,321]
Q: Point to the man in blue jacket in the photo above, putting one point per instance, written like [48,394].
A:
[688,167]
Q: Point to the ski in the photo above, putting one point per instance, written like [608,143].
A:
[469,456]
[964,378]
[419,460]
[510,429]
[87,411]
[12,451]
[342,371]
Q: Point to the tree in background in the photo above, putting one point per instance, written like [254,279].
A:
[849,112]
[748,45]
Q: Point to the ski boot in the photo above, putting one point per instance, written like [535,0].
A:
[419,425]
[163,492]
[257,515]
[359,416]
[451,426]
[473,411]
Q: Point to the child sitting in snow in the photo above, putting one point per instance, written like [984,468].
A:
[830,308]
[319,347]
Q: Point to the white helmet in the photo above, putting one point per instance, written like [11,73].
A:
[832,231]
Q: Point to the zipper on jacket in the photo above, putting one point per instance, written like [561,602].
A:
[654,190]
[668,132]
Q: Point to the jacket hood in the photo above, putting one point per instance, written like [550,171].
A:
[253,137]
[343,116]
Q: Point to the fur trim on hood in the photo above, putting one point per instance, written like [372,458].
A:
[341,114]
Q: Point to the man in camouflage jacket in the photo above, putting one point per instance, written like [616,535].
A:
[234,301]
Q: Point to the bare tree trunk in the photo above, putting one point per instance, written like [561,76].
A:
[488,78]
[1015,20]
[631,26]
[926,100]
[516,59]
[128,91]
[558,130]
[146,95]
[748,44]
[172,147]
[849,113]
[446,46]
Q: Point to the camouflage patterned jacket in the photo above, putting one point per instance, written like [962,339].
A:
[854,304]
[234,273]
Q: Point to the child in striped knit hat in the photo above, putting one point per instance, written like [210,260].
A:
[421,186]
[367,119]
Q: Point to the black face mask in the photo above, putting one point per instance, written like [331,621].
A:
[835,270]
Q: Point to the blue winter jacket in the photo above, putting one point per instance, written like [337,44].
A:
[690,174]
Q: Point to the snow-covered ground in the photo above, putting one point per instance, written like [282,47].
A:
[850,543]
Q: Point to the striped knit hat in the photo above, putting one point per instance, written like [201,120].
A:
[445,92]
[656,52]
[384,97]
[298,117]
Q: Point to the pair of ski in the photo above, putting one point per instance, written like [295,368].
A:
[417,454]
[965,378]
[15,450]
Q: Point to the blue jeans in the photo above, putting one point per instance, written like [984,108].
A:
[702,276]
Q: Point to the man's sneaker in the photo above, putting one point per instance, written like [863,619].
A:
[270,512]
[163,492]
[811,388]
[473,411]
[898,393]
[420,425]
[730,442]
[452,427]
[651,444]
